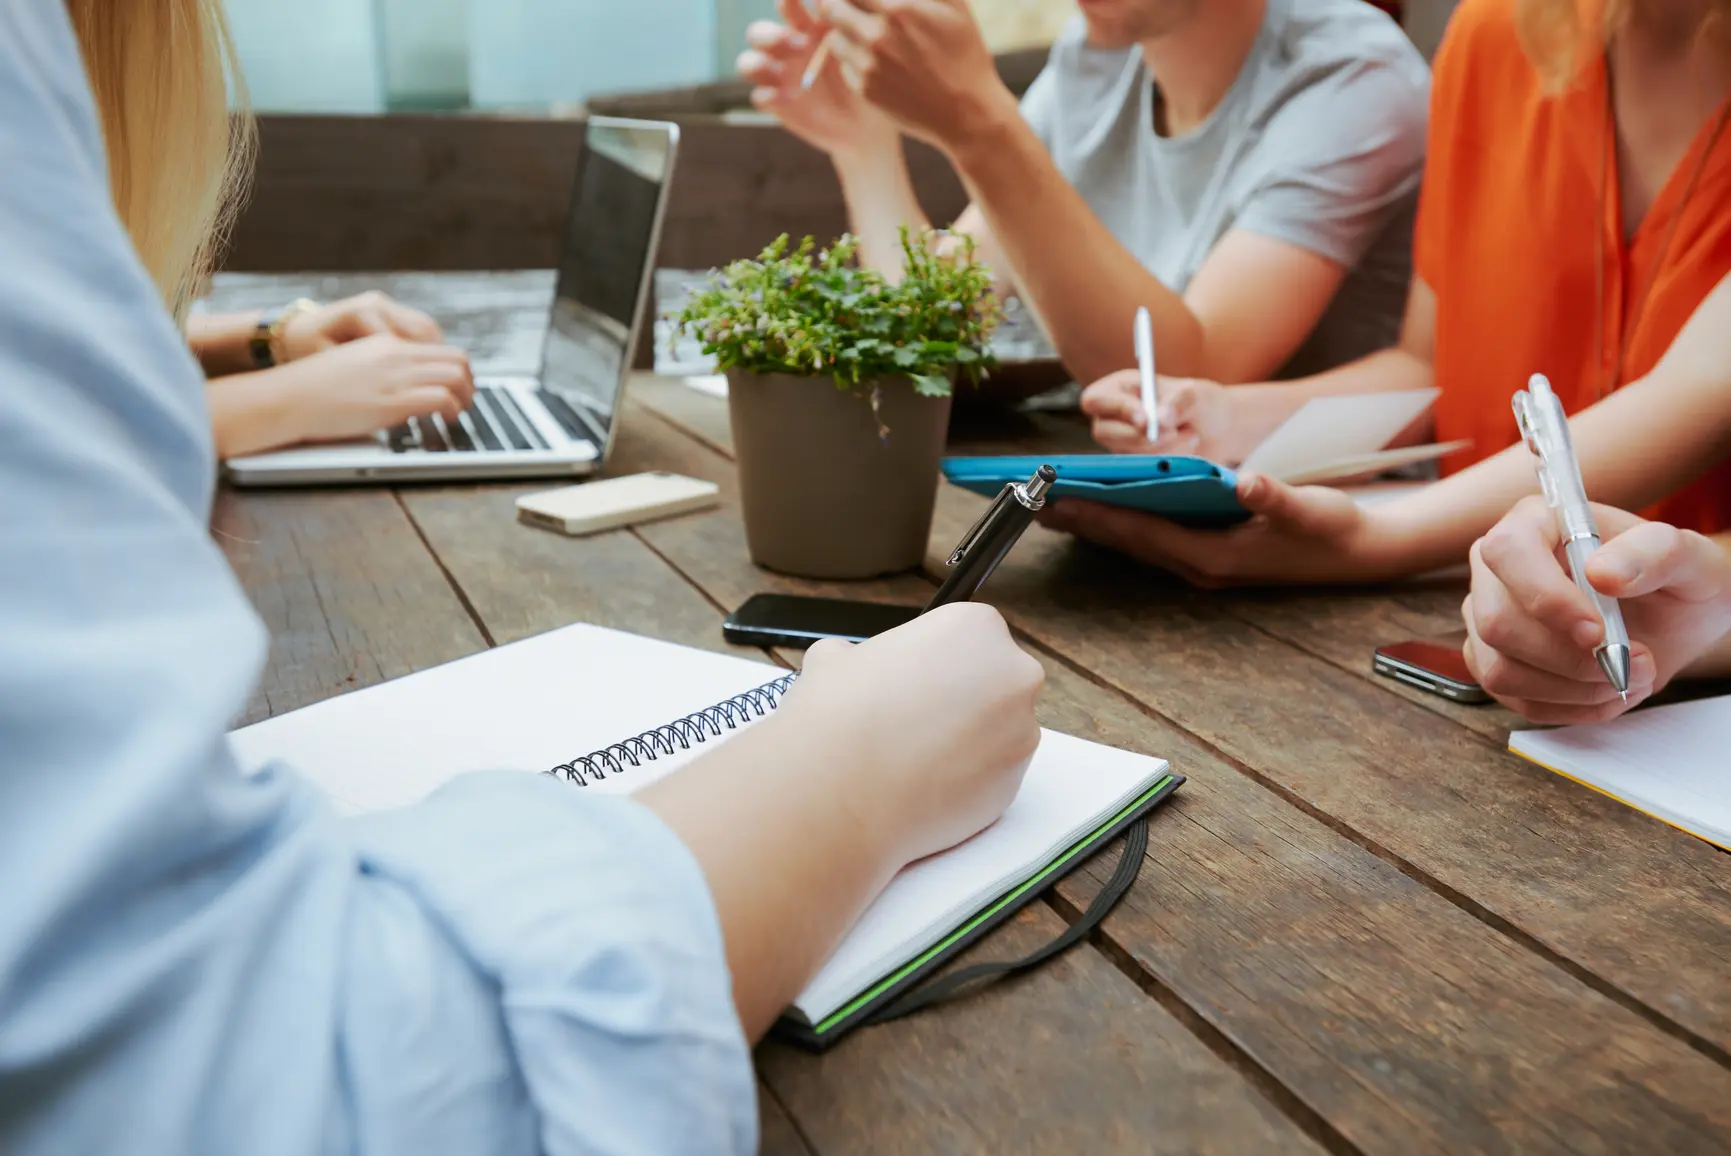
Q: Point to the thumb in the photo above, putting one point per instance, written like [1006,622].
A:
[1178,403]
[1654,556]
[1316,511]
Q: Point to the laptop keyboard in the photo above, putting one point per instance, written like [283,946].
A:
[493,423]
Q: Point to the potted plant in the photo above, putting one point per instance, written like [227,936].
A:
[839,390]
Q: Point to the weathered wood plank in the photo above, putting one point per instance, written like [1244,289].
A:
[1399,1019]
[777,1134]
[1622,896]
[1072,1058]
[340,617]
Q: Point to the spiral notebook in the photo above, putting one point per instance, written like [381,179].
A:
[612,712]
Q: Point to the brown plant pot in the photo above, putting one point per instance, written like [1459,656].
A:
[823,495]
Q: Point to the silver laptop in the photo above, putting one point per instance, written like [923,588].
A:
[560,423]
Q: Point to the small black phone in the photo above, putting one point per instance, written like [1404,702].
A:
[1436,665]
[792,621]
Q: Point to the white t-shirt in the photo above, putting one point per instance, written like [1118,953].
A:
[1319,142]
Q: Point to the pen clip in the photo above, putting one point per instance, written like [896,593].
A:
[1007,494]
[1030,495]
[1539,435]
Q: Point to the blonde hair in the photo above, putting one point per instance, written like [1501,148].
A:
[161,72]
[1561,37]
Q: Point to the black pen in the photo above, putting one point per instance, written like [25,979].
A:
[992,537]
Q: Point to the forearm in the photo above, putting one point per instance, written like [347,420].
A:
[880,198]
[1084,285]
[1635,447]
[254,412]
[221,341]
[790,856]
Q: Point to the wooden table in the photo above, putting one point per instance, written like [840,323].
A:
[1364,927]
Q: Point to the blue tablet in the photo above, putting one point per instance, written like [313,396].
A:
[1190,491]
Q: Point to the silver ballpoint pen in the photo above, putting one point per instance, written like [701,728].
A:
[1546,430]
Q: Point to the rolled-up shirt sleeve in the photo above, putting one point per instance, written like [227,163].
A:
[195,960]
[595,927]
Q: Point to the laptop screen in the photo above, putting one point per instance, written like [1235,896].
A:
[603,266]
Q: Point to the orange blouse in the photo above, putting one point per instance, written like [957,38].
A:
[1511,223]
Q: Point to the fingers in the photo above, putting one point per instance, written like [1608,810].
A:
[1506,677]
[852,60]
[406,322]
[422,400]
[372,312]
[1654,556]
[798,17]
[1177,404]
[1114,404]
[855,27]
[446,368]
[1314,511]
[1521,553]
[1556,703]
[777,40]
[1495,617]
[760,70]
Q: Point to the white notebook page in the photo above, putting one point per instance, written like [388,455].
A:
[534,704]
[1670,761]
[1338,432]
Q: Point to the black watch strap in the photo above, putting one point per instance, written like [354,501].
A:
[260,341]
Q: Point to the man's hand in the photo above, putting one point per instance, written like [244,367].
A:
[1532,633]
[353,318]
[1295,534]
[1197,416]
[828,116]
[923,62]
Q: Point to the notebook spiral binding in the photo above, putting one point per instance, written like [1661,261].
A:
[678,735]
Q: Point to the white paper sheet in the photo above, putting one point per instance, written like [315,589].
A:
[1671,762]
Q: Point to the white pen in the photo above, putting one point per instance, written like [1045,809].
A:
[1546,430]
[815,68]
[1145,363]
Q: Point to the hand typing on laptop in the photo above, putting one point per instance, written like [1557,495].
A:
[314,373]
[344,392]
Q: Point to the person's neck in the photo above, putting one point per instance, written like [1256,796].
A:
[1663,48]
[1194,65]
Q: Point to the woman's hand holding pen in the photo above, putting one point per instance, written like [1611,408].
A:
[934,722]
[1196,417]
[1531,632]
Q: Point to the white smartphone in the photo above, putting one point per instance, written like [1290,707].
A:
[591,507]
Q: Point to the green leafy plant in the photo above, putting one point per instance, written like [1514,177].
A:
[814,313]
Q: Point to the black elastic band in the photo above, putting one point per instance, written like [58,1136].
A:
[952,985]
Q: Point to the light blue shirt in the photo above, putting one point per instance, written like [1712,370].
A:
[194,961]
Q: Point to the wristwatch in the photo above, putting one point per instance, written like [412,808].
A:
[266,340]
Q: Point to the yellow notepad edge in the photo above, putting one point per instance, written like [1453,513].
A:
[1618,798]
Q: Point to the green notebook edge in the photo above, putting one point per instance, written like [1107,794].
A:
[827,1033]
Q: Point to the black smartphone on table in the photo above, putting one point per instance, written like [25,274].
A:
[1436,665]
[796,622]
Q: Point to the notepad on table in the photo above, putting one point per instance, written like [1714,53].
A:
[1669,761]
[550,700]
